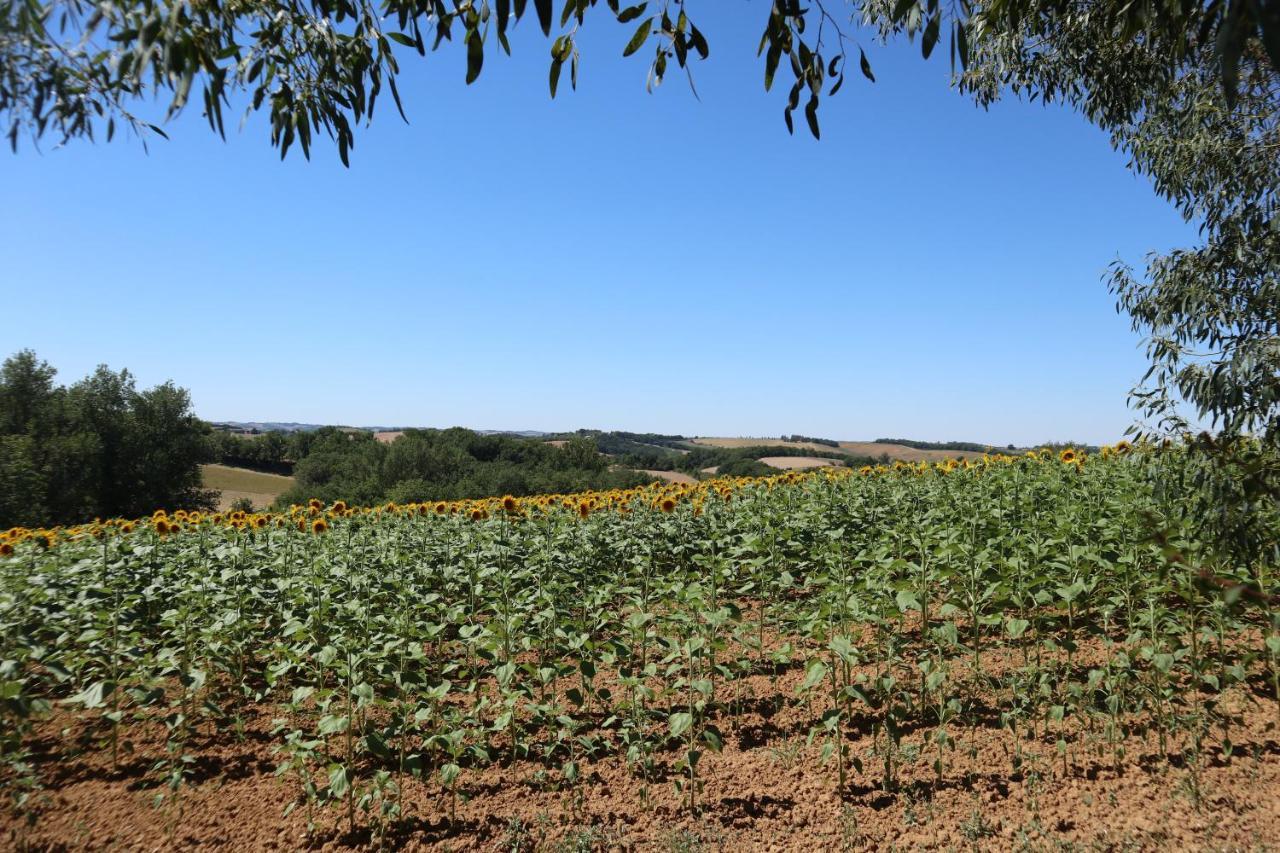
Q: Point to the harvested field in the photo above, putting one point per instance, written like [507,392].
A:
[764,442]
[670,476]
[789,462]
[237,483]
[895,452]
[388,436]
[902,452]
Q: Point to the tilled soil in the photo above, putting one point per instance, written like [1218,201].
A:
[767,790]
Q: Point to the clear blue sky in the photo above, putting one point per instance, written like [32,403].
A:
[611,259]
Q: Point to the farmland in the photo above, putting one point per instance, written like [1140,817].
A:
[236,483]
[1009,652]
[873,449]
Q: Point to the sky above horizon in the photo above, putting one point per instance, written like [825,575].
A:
[610,259]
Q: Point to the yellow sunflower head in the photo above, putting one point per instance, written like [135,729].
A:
[1068,456]
[319,526]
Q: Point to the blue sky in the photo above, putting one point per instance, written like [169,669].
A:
[609,259]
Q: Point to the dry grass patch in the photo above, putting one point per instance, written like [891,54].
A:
[788,462]
[235,483]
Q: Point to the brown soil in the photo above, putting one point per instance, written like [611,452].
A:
[768,790]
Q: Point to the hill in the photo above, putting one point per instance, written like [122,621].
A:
[874,449]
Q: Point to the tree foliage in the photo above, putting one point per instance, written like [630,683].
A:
[1210,312]
[319,66]
[98,448]
[431,464]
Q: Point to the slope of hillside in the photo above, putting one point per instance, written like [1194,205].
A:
[853,448]
[236,483]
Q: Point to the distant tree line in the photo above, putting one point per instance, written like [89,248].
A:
[445,464]
[273,451]
[829,442]
[96,449]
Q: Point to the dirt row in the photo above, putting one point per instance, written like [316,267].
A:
[767,790]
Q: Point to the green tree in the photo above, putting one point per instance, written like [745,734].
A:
[98,448]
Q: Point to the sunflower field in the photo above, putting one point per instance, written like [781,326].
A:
[1042,615]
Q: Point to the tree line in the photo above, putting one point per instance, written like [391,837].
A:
[446,464]
[94,449]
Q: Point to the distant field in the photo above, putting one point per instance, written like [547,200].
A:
[670,476]
[236,483]
[853,448]
[763,442]
[389,436]
[901,451]
[798,461]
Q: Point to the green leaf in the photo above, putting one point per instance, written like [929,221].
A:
[332,724]
[475,56]
[339,784]
[638,37]
[865,66]
[630,13]
[544,15]
[91,696]
[679,723]
[930,37]
[813,675]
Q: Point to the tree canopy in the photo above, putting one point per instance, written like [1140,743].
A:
[97,448]
[68,67]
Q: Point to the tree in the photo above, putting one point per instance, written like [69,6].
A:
[99,448]
[1211,312]
[318,66]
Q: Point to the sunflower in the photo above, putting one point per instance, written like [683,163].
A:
[441,508]
[509,504]
[162,527]
[127,527]
[339,506]
[1122,447]
[1068,456]
[584,508]
[668,505]
[319,526]
[5,549]
[259,522]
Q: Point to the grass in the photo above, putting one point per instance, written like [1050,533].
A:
[235,483]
